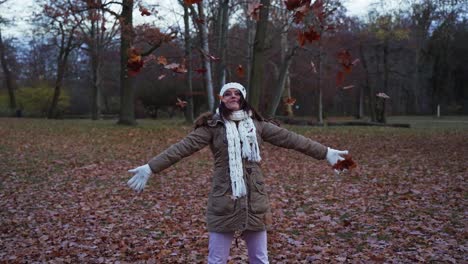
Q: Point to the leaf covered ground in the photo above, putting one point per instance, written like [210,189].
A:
[63,196]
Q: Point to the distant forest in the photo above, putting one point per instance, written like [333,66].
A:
[297,58]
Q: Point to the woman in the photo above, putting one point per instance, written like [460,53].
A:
[237,201]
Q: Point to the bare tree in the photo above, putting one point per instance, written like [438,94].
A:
[98,34]
[258,56]
[9,80]
[199,19]
[58,20]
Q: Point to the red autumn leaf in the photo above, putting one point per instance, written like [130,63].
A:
[180,103]
[191,2]
[162,60]
[240,71]
[330,28]
[253,11]
[200,70]
[318,9]
[344,59]
[346,164]
[300,13]
[308,36]
[289,101]
[134,62]
[292,4]
[144,11]
[200,21]
[339,78]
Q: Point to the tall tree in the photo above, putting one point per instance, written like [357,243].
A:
[98,34]
[189,115]
[258,56]
[9,80]
[200,20]
[222,30]
[61,24]
[131,57]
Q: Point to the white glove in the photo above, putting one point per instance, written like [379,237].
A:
[138,181]
[333,155]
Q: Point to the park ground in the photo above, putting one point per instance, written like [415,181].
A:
[64,199]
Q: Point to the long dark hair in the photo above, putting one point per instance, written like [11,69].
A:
[244,105]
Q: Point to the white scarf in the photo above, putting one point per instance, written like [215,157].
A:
[242,143]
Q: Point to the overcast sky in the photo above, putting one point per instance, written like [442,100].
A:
[19,10]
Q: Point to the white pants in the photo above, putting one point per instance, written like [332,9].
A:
[220,245]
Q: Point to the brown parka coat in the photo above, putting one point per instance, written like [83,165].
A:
[251,212]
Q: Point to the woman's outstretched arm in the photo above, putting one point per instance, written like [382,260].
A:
[193,142]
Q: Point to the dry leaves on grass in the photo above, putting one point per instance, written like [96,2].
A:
[63,196]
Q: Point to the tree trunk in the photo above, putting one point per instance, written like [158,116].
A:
[10,83]
[368,86]
[361,102]
[383,114]
[95,53]
[320,105]
[280,84]
[66,46]
[127,93]
[250,32]
[188,59]
[258,57]
[206,59]
[223,23]
[287,93]
[61,64]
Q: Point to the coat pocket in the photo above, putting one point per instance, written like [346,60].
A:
[220,201]
[258,198]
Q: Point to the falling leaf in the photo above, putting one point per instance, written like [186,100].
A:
[348,87]
[176,67]
[200,70]
[289,101]
[144,11]
[300,13]
[292,4]
[200,21]
[180,103]
[339,78]
[191,2]
[240,71]
[312,64]
[383,95]
[308,36]
[319,10]
[346,164]
[134,63]
[161,76]
[254,11]
[162,60]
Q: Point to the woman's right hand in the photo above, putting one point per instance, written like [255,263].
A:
[138,181]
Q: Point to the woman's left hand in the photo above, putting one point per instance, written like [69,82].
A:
[333,155]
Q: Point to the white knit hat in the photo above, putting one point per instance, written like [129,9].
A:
[234,85]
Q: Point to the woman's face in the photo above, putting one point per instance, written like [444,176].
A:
[231,99]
